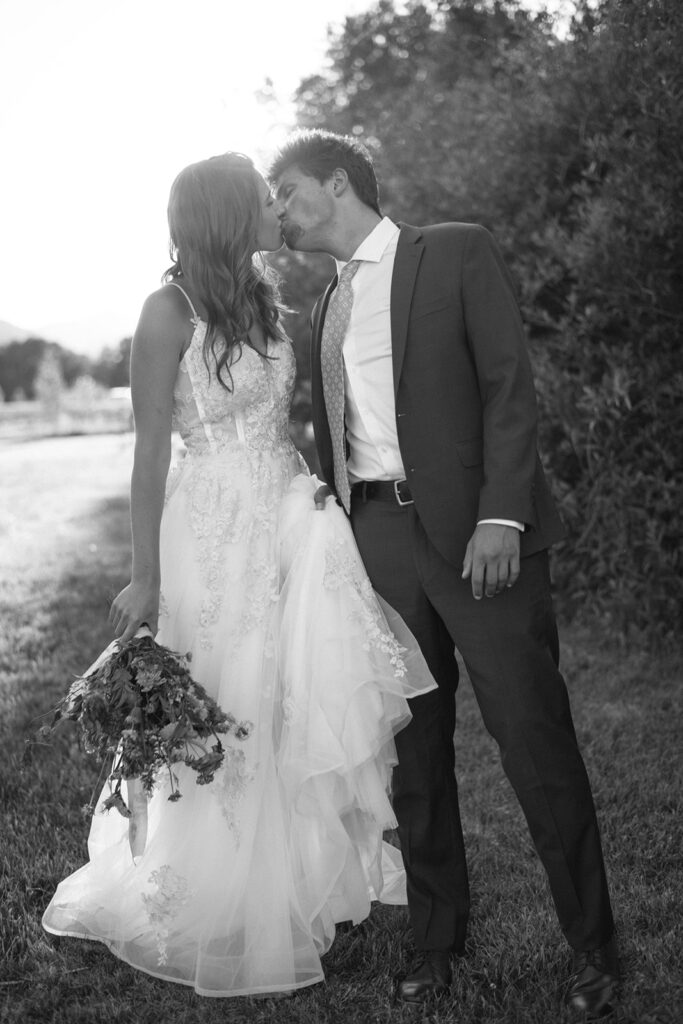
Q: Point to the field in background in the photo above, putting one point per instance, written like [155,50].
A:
[111,413]
[64,553]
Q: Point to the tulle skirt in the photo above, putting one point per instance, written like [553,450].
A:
[236,888]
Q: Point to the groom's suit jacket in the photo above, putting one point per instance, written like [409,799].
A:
[465,400]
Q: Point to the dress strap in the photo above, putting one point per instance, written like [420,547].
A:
[189,300]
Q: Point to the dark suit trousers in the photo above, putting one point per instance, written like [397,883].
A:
[510,647]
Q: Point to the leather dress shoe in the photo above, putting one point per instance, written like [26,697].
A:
[592,987]
[431,976]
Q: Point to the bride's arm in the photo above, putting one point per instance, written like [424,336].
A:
[158,343]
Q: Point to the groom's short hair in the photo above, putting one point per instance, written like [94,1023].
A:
[318,153]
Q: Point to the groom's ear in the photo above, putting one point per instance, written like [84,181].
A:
[340,181]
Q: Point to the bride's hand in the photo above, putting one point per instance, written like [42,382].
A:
[321,496]
[137,603]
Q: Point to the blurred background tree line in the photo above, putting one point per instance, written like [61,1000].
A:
[48,390]
[570,150]
[24,363]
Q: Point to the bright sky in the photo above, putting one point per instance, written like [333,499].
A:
[102,103]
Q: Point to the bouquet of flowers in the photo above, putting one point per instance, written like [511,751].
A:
[139,705]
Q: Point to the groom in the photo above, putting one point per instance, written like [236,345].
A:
[425,422]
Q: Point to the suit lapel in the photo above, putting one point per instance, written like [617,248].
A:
[318,315]
[321,425]
[408,255]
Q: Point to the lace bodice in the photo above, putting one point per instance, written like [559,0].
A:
[240,463]
[256,412]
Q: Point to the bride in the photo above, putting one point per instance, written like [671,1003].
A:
[238,559]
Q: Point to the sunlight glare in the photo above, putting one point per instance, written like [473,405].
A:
[109,102]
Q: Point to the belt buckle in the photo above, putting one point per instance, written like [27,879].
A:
[399,500]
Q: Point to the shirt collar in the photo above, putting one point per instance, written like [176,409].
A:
[374,245]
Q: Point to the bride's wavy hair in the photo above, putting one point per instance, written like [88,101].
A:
[214,213]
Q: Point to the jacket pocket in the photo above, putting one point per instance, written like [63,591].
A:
[435,305]
[471,452]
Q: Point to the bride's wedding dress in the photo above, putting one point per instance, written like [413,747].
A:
[240,882]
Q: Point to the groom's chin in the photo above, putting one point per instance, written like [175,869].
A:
[292,238]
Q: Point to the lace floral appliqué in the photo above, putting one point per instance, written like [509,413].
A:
[236,470]
[172,893]
[208,415]
[230,785]
[342,569]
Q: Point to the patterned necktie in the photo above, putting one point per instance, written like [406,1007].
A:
[332,363]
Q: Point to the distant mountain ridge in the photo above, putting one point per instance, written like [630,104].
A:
[10,332]
[89,335]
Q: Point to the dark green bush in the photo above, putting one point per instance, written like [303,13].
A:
[571,151]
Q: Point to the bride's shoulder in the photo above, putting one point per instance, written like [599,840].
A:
[168,302]
[164,321]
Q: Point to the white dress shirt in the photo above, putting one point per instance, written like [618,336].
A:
[368,371]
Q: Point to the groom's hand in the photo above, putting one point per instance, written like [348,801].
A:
[492,559]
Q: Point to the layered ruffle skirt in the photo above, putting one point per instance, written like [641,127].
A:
[236,888]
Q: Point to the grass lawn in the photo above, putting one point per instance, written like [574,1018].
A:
[64,553]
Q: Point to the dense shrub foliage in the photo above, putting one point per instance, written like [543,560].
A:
[570,150]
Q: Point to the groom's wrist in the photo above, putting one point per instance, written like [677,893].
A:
[503,522]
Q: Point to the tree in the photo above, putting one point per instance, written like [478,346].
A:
[112,368]
[20,360]
[49,384]
[571,152]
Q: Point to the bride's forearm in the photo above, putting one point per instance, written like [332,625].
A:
[148,482]
[155,356]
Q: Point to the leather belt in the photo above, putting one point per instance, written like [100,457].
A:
[383,490]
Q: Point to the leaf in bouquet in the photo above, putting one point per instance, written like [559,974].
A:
[152,702]
[172,730]
[120,697]
[209,761]
[208,773]
[120,674]
[70,706]
[95,707]
[135,715]
[117,801]
[148,778]
[166,706]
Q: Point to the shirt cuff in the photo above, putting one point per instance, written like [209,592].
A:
[504,522]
